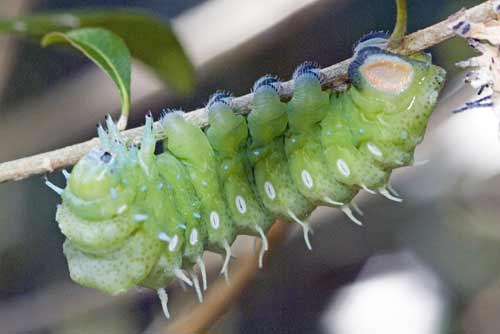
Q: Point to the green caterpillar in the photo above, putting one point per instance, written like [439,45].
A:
[135,218]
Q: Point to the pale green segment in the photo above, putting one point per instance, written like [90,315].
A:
[275,185]
[268,118]
[309,170]
[187,203]
[163,219]
[189,144]
[308,106]
[346,162]
[367,132]
[306,162]
[228,135]
[228,132]
[118,271]
[101,208]
[267,122]
[96,237]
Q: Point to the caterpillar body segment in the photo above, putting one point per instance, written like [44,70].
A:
[267,123]
[200,161]
[135,218]
[306,161]
[228,134]
[187,203]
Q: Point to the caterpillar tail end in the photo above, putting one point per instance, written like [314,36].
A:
[347,210]
[306,228]
[225,266]
[162,294]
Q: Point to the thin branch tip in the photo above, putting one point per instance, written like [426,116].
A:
[334,76]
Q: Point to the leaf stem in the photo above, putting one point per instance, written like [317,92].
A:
[400,27]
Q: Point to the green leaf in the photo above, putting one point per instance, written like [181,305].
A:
[148,38]
[105,49]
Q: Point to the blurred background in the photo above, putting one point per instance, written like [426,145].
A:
[428,265]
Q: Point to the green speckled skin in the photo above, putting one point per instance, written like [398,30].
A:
[135,218]
[228,135]
[306,160]
[199,159]
[187,203]
[267,122]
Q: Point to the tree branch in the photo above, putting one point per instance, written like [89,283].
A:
[334,75]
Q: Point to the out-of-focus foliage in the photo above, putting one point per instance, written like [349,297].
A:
[106,50]
[149,39]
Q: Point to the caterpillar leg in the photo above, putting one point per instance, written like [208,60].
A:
[52,186]
[197,288]
[420,163]
[66,174]
[306,228]
[368,190]
[357,208]
[331,201]
[225,266]
[203,270]
[392,190]
[162,294]
[384,192]
[264,247]
[179,273]
[347,210]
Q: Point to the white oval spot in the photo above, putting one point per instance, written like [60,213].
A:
[374,150]
[122,209]
[214,220]
[343,168]
[172,245]
[241,205]
[193,237]
[268,187]
[307,179]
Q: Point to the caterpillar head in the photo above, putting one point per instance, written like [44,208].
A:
[99,185]
[392,81]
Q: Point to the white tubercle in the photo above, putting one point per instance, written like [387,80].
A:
[162,294]
[368,190]
[384,192]
[331,201]
[55,188]
[347,210]
[66,174]
[179,273]
[203,270]
[305,228]
[264,247]
[225,266]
